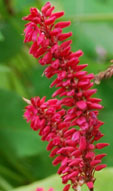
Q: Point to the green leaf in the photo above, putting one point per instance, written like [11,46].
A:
[40,89]
[97,37]
[4,76]
[105,90]
[84,6]
[10,81]
[4,184]
[1,36]
[12,42]
[15,131]
[103,182]
[23,5]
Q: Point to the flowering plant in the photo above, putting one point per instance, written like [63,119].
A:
[70,122]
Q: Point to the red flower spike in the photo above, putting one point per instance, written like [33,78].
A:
[71,133]
[39,189]
[51,189]
[42,189]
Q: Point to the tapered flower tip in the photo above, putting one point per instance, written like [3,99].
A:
[63,24]
[34,12]
[58,14]
[100,167]
[46,7]
[101,145]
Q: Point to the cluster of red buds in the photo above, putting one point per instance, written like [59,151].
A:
[70,122]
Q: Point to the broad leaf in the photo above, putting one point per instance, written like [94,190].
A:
[13,128]
[103,182]
[12,42]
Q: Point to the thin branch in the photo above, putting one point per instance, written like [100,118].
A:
[104,75]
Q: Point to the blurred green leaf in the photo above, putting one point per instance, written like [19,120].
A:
[12,42]
[4,74]
[4,184]
[105,92]
[1,36]
[23,143]
[97,37]
[103,182]
[40,84]
[14,130]
[87,6]
[10,81]
[23,5]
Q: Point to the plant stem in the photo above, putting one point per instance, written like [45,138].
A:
[108,73]
[93,18]
[92,189]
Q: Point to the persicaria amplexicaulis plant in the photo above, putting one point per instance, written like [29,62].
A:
[70,122]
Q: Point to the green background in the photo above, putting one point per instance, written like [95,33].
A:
[23,157]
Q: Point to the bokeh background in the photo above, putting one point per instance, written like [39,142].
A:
[23,157]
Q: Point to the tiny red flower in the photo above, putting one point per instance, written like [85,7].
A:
[42,189]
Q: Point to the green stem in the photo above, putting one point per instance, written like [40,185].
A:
[92,189]
[93,18]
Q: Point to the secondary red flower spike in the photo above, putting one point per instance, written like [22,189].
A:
[72,132]
[42,189]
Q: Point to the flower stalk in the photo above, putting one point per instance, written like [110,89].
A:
[69,121]
[108,73]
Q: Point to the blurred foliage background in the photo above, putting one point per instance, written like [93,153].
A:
[23,157]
